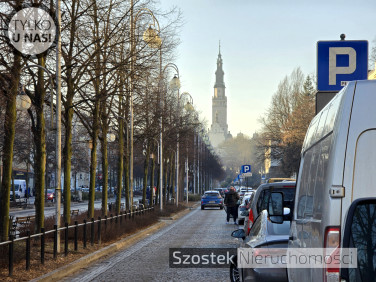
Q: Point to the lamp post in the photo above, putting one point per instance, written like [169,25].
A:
[153,40]
[188,107]
[175,85]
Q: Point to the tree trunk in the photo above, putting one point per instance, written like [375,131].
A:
[126,179]
[120,164]
[172,174]
[67,151]
[13,190]
[93,160]
[164,191]
[9,133]
[40,149]
[104,162]
[157,195]
[146,171]
[152,181]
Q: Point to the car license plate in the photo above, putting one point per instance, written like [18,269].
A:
[211,202]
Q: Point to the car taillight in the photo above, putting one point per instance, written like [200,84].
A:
[251,219]
[332,241]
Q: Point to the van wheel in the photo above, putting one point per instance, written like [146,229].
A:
[202,207]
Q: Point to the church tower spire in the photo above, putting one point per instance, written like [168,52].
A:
[219,128]
[219,73]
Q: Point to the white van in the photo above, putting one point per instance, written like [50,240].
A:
[335,202]
[19,188]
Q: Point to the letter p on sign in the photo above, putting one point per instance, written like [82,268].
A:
[334,69]
[339,62]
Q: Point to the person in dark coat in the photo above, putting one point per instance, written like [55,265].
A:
[231,203]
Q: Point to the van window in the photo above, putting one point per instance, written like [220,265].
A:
[321,125]
[333,111]
[311,181]
[304,182]
[363,237]
[308,141]
[320,188]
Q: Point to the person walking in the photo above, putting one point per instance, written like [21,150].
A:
[231,203]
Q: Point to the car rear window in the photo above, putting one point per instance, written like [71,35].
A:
[211,194]
[288,193]
[288,197]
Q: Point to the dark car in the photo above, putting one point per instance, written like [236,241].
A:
[263,235]
[211,199]
[221,191]
[262,195]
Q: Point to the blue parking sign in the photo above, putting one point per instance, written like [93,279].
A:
[246,168]
[339,62]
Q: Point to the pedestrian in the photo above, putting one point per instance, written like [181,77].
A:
[231,203]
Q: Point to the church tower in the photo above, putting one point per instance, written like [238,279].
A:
[219,128]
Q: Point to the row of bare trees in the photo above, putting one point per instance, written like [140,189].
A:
[97,78]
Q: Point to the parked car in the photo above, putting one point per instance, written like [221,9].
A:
[244,207]
[85,190]
[335,199]
[261,199]
[243,190]
[50,196]
[19,189]
[211,199]
[263,235]
[274,180]
[221,191]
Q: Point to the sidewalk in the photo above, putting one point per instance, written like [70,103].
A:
[83,262]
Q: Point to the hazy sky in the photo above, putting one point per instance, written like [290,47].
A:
[261,42]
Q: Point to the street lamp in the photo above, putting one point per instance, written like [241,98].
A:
[188,108]
[153,40]
[175,86]
[23,102]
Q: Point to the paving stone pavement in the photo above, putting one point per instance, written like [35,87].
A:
[148,260]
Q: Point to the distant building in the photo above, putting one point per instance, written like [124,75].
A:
[219,128]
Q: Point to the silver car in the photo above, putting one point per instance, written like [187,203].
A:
[263,234]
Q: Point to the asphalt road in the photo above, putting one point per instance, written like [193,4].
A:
[148,260]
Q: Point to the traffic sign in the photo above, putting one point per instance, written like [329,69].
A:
[246,168]
[247,174]
[339,62]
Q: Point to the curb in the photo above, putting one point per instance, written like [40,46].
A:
[76,265]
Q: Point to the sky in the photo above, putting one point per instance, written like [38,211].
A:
[261,42]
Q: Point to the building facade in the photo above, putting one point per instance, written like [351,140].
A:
[219,128]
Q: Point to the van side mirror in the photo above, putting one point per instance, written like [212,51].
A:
[275,207]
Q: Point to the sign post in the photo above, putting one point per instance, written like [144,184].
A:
[339,62]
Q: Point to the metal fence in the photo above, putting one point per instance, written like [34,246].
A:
[88,227]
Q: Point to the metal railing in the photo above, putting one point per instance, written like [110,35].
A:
[119,219]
